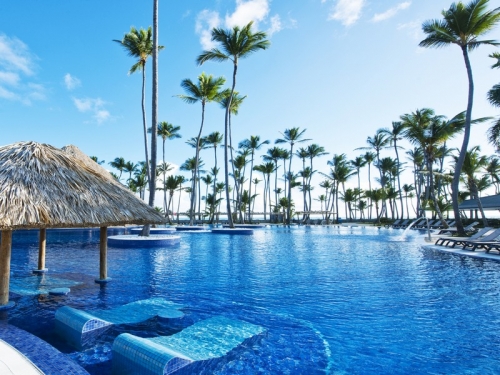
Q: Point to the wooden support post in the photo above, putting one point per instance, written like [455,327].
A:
[103,256]
[5,253]
[41,249]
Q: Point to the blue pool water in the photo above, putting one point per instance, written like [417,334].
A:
[332,300]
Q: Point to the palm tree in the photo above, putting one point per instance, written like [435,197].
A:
[118,163]
[214,139]
[266,169]
[181,179]
[463,25]
[395,134]
[473,164]
[235,44]
[291,136]
[207,90]
[96,159]
[493,170]
[171,185]
[408,189]
[252,144]
[494,99]
[139,44]
[130,168]
[302,153]
[313,151]
[429,132]
[274,155]
[369,159]
[358,163]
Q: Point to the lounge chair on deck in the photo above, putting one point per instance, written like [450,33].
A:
[394,224]
[454,241]
[487,242]
[468,228]
[203,341]
[405,223]
[440,225]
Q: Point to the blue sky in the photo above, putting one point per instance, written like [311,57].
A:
[339,68]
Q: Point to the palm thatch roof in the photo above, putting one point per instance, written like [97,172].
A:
[45,187]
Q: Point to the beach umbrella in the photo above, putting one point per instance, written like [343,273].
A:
[45,187]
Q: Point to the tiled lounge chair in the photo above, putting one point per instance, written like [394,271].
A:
[80,328]
[454,241]
[203,341]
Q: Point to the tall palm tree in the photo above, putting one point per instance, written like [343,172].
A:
[235,44]
[266,169]
[252,144]
[494,99]
[207,90]
[463,25]
[473,164]
[358,163]
[302,154]
[214,139]
[274,155]
[429,132]
[291,136]
[139,44]
[313,151]
[130,168]
[395,134]
[369,159]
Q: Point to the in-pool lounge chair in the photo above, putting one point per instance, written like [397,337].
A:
[193,346]
[454,241]
[80,328]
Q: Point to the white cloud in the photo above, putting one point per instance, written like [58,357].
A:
[9,78]
[246,11]
[6,94]
[14,55]
[390,12]
[205,22]
[347,11]
[94,106]
[16,61]
[256,11]
[413,28]
[71,82]
[275,25]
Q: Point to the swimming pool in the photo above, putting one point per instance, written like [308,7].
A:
[333,300]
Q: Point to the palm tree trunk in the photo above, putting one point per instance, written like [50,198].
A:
[154,101]
[197,158]
[250,189]
[399,181]
[144,122]
[463,149]
[226,155]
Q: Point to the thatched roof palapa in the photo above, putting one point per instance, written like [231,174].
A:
[45,187]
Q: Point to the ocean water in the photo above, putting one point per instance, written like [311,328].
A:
[332,300]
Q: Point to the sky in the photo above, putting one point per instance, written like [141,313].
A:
[341,69]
